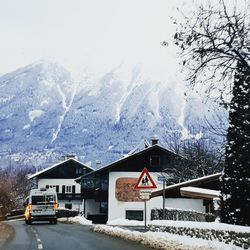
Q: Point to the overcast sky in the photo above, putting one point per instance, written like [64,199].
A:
[95,34]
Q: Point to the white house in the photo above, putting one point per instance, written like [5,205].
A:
[197,194]
[109,192]
[61,176]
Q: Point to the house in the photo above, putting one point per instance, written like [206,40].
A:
[109,193]
[197,194]
[61,176]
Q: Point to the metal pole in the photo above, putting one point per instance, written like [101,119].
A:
[145,218]
[163,197]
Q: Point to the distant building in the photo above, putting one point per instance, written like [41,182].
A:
[108,192]
[61,177]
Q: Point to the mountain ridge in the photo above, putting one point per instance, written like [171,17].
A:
[44,109]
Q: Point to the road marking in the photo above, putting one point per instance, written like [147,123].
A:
[40,246]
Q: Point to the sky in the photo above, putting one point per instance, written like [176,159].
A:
[89,34]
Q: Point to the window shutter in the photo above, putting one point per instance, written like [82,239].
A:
[73,189]
[57,188]
[63,189]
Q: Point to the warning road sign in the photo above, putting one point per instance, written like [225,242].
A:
[145,181]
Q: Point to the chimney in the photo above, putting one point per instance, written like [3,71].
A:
[70,156]
[154,140]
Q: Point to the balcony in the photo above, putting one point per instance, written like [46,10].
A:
[69,196]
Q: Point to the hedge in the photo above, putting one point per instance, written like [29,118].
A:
[237,238]
[179,214]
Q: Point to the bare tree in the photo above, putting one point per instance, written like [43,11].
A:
[13,189]
[212,42]
[215,49]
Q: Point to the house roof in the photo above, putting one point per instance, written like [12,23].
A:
[128,157]
[194,182]
[200,193]
[57,165]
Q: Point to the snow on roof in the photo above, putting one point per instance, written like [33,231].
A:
[159,191]
[128,157]
[55,165]
[200,191]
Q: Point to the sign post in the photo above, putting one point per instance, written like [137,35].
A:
[145,183]
[163,179]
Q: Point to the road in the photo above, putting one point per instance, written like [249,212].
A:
[63,236]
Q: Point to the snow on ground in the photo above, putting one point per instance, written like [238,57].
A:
[77,219]
[125,222]
[163,240]
[187,224]
[201,225]
[34,114]
[160,240]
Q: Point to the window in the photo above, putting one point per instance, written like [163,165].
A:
[134,215]
[155,160]
[104,207]
[38,200]
[78,171]
[68,205]
[68,189]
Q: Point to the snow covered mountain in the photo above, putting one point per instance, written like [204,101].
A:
[42,109]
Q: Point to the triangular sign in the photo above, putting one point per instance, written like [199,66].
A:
[145,181]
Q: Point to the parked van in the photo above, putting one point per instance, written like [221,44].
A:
[41,205]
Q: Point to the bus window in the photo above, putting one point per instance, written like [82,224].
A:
[38,200]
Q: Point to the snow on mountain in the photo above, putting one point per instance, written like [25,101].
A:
[43,109]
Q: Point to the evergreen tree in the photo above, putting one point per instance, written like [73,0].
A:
[236,178]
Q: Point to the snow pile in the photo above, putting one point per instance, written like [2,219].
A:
[125,222]
[159,240]
[77,219]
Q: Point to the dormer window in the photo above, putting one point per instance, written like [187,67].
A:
[155,161]
[78,171]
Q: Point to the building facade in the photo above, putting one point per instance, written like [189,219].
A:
[61,177]
[109,192]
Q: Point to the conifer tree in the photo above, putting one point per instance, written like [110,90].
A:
[236,178]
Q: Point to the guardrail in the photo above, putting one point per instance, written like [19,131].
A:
[21,216]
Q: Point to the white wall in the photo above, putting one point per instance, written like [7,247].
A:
[183,203]
[117,209]
[76,204]
[60,182]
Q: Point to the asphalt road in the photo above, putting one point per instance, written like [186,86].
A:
[63,236]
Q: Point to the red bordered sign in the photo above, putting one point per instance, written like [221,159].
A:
[145,181]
